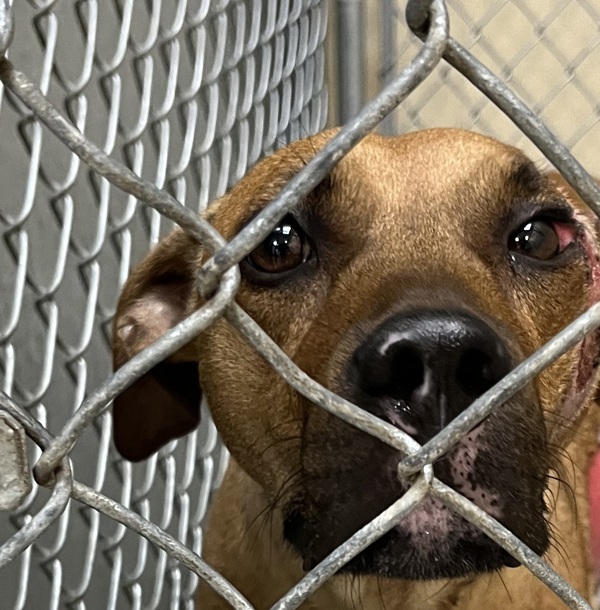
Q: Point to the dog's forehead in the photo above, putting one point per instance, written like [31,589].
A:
[427,172]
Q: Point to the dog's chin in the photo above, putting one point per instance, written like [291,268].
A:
[452,548]
[394,556]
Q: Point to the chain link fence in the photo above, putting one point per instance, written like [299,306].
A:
[188,95]
[547,52]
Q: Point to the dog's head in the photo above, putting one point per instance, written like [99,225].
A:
[412,279]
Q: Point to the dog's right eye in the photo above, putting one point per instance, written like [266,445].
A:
[286,248]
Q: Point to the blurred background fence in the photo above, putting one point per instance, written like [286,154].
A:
[548,53]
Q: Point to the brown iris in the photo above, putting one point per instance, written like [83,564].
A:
[283,250]
[537,239]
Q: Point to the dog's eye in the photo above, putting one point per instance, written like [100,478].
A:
[541,238]
[285,249]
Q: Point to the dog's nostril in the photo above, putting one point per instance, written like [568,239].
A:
[408,372]
[476,372]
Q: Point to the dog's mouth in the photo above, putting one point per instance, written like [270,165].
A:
[429,543]
[465,552]
[457,468]
[501,473]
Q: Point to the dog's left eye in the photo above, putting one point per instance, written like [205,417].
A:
[284,249]
[542,238]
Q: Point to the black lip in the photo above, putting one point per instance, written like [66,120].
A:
[464,550]
[393,556]
[473,556]
[322,518]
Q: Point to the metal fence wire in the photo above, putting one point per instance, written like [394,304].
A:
[188,97]
[187,94]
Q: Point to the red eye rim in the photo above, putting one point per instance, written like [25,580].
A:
[566,233]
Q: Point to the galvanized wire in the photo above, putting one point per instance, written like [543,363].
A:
[6,25]
[508,541]
[64,487]
[61,491]
[324,161]
[220,272]
[546,53]
[186,95]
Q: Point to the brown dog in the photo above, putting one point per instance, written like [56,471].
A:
[420,272]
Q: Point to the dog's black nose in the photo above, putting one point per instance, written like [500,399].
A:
[425,367]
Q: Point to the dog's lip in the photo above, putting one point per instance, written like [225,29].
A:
[473,553]
[459,463]
[467,547]
[311,561]
[399,414]
[462,538]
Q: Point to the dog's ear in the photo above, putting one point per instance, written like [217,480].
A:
[163,404]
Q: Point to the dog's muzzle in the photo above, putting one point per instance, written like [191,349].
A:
[418,370]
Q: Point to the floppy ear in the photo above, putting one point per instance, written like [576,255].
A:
[163,404]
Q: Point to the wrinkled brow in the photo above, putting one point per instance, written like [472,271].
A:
[525,177]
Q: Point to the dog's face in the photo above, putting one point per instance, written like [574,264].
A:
[418,274]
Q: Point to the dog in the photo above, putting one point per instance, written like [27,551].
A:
[414,277]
